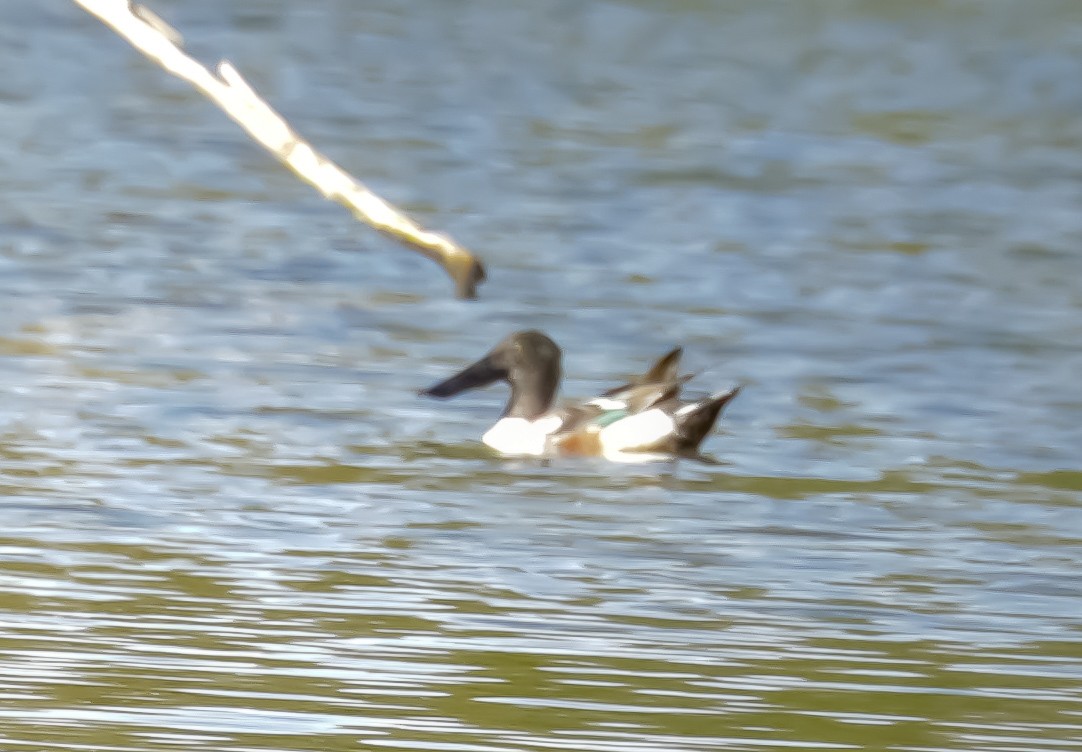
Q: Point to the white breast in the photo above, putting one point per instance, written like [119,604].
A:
[521,436]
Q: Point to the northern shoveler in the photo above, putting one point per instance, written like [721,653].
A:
[643,416]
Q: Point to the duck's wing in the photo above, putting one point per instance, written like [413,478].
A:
[663,371]
[583,423]
[634,398]
[577,434]
[673,427]
[576,417]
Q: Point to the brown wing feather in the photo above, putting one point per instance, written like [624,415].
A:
[664,370]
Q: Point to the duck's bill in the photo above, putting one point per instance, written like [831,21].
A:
[481,373]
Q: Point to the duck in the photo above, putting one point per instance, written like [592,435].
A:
[645,416]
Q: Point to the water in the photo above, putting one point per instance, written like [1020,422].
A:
[229,523]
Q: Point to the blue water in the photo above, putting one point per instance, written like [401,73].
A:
[231,524]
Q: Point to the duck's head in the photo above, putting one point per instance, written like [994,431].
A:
[529,361]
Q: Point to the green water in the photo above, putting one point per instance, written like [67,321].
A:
[228,522]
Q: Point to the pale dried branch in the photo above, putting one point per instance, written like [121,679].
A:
[159,42]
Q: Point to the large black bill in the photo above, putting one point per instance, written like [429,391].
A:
[481,373]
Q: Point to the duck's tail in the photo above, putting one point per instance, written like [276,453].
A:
[694,421]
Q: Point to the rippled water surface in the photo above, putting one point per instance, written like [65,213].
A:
[229,523]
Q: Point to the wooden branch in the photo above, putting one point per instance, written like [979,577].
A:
[155,39]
